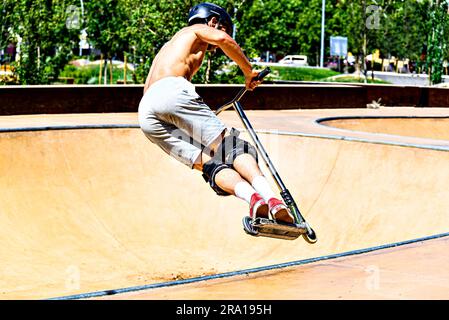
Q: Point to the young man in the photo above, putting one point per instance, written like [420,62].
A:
[173,116]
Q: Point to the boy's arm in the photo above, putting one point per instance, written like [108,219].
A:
[231,49]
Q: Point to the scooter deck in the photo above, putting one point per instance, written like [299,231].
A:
[269,228]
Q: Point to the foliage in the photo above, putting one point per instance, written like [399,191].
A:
[46,42]
[302,74]
[7,76]
[140,29]
[105,22]
[5,22]
[149,27]
[8,79]
[89,74]
[436,45]
[81,75]
[282,26]
[234,75]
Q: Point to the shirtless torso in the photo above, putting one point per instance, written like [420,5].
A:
[183,54]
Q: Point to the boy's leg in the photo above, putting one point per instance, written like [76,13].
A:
[235,182]
[259,194]
[183,148]
[248,168]
[232,182]
[245,166]
[226,179]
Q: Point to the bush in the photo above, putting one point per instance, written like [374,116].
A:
[303,74]
[89,74]
[355,79]
[82,75]
[8,74]
[10,79]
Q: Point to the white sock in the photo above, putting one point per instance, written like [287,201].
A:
[244,191]
[260,183]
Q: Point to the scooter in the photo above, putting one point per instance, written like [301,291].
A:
[266,227]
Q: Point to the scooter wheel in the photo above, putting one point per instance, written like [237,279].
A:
[248,226]
[310,236]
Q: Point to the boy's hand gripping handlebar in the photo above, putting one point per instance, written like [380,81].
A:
[242,92]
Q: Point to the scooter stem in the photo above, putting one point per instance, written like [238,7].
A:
[242,92]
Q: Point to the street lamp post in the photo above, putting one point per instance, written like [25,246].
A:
[83,33]
[323,17]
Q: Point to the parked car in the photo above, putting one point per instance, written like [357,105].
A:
[299,60]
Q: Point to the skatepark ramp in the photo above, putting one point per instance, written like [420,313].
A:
[96,208]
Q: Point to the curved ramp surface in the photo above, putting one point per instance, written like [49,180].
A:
[98,209]
[432,128]
[418,270]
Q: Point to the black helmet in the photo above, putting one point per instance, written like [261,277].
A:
[203,11]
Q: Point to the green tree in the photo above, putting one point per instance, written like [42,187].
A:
[6,22]
[437,39]
[289,26]
[149,27]
[270,25]
[46,41]
[106,22]
[401,29]
[106,26]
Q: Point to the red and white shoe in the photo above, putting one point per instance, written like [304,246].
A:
[279,211]
[258,208]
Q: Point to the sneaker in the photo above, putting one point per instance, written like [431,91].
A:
[279,211]
[258,208]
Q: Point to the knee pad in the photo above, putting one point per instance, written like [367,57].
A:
[231,147]
[210,170]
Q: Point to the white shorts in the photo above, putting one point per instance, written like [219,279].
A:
[173,116]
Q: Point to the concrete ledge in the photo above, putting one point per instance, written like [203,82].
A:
[276,97]
[438,97]
[397,96]
[68,99]
[15,100]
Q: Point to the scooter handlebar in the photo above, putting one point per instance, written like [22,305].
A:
[242,92]
[262,74]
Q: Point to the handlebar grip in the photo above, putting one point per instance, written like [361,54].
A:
[262,74]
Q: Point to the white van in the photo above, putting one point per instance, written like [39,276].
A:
[299,60]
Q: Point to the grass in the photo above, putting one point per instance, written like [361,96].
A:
[89,75]
[234,75]
[356,79]
[300,74]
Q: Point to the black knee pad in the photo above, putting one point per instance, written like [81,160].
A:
[210,170]
[231,147]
